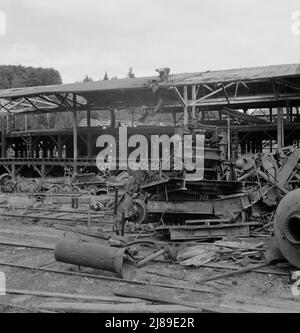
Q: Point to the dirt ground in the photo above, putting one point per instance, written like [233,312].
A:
[251,292]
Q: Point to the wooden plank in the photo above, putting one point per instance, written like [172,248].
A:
[116,308]
[209,232]
[156,298]
[42,217]
[27,244]
[113,279]
[107,299]
[256,304]
[287,169]
[243,116]
[207,222]
[200,207]
[30,309]
[267,270]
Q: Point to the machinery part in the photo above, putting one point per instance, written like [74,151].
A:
[287,227]
[10,186]
[4,179]
[55,188]
[21,186]
[32,186]
[40,198]
[92,189]
[204,232]
[169,252]
[150,257]
[97,206]
[135,209]
[66,188]
[140,209]
[90,255]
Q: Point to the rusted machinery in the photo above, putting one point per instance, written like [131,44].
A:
[287,227]
[183,207]
[217,206]
[270,176]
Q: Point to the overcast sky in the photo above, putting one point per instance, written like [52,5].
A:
[79,37]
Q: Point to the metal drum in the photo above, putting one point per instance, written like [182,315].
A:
[287,227]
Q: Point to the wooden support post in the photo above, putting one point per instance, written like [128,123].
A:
[13,170]
[280,128]
[291,114]
[59,146]
[132,117]
[48,120]
[89,136]
[271,146]
[43,171]
[37,150]
[75,136]
[271,115]
[26,122]
[174,118]
[185,108]
[3,139]
[194,99]
[112,118]
[288,112]
[228,139]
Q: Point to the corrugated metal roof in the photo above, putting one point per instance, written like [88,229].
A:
[243,74]
[77,87]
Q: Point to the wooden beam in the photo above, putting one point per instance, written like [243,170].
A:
[3,138]
[280,128]
[48,294]
[194,99]
[185,108]
[213,93]
[243,116]
[75,135]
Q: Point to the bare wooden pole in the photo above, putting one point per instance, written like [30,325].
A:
[185,108]
[193,99]
[48,120]
[132,117]
[228,139]
[280,128]
[59,146]
[3,138]
[26,122]
[89,137]
[75,136]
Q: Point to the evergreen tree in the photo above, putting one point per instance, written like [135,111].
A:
[105,77]
[131,75]
[87,79]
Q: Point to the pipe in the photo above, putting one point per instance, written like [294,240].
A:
[287,227]
[90,255]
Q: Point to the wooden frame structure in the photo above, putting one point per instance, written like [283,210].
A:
[209,98]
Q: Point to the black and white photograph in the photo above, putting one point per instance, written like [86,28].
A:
[149,159]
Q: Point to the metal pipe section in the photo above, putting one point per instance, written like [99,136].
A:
[90,255]
[287,227]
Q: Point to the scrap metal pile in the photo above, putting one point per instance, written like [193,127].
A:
[270,176]
[233,204]
[86,183]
